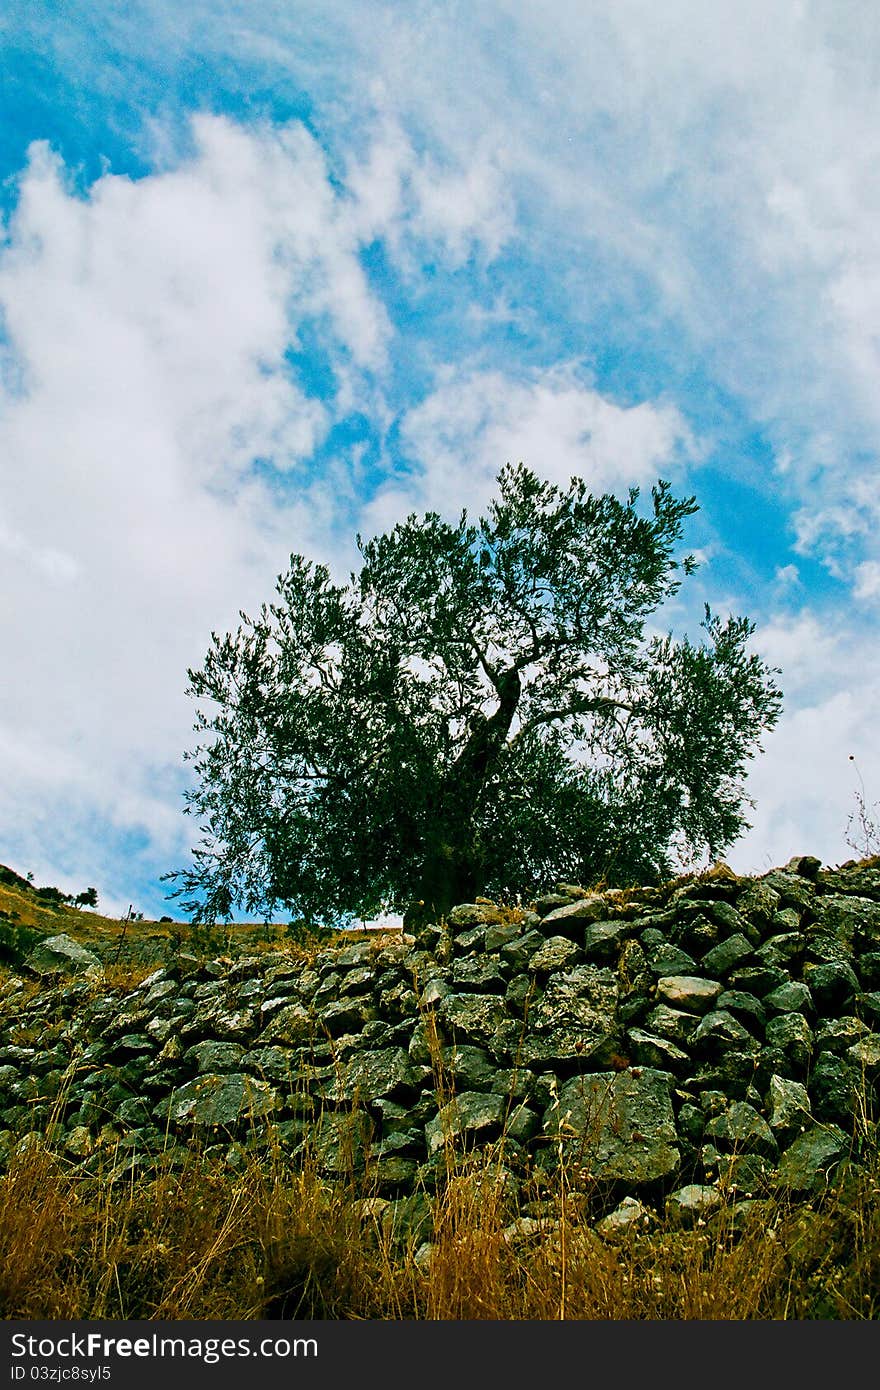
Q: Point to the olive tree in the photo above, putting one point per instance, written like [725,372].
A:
[479,710]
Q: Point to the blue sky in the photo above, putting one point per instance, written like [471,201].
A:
[272,274]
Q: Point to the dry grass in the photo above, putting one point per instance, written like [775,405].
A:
[273,1241]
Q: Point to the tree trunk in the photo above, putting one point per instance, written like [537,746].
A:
[451,871]
[450,875]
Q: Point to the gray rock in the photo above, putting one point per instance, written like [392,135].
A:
[855,921]
[366,1076]
[838,1034]
[781,949]
[227,1100]
[61,955]
[791,1035]
[675,1024]
[718,1033]
[479,974]
[809,1163]
[866,1055]
[500,935]
[617,1127]
[690,993]
[470,941]
[212,1056]
[732,921]
[589,909]
[480,1019]
[279,1065]
[740,1128]
[575,1018]
[788,1109]
[346,1016]
[794,889]
[758,902]
[399,1001]
[473,1113]
[745,1007]
[338,1142]
[603,940]
[357,982]
[792,997]
[759,980]
[293,1025]
[834,1086]
[692,1205]
[519,992]
[867,1007]
[359,953]
[557,953]
[469,1068]
[630,1218]
[833,985]
[518,952]
[648,1050]
[474,914]
[435,990]
[668,960]
[722,958]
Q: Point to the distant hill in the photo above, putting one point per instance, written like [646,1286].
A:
[27,909]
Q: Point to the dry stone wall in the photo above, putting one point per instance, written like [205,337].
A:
[663,1042]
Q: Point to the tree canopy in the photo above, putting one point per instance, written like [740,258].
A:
[479,710]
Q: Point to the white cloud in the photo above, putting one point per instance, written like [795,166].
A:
[147,328]
[804,783]
[150,322]
[476,421]
[712,167]
[867,577]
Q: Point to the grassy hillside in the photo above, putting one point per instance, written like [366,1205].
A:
[28,912]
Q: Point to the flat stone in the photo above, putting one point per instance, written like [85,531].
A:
[557,953]
[692,1204]
[589,909]
[743,1129]
[628,1219]
[575,1018]
[61,955]
[224,1100]
[808,1164]
[792,997]
[690,993]
[471,1114]
[473,915]
[788,1109]
[722,958]
[617,1126]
